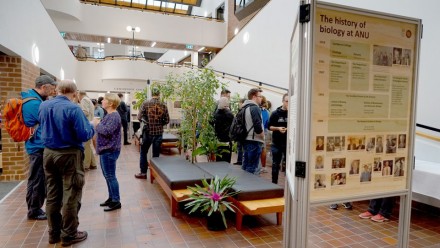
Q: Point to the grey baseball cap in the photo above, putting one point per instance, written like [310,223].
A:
[44,79]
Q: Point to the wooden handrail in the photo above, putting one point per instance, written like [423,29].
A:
[428,136]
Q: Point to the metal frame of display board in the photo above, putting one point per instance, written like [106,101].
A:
[389,86]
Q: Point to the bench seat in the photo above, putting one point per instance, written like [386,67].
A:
[256,196]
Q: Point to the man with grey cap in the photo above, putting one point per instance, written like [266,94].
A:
[36,187]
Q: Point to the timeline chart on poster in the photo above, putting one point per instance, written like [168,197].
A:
[363,73]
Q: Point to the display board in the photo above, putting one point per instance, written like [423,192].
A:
[362,103]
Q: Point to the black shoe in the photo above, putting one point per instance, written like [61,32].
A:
[105,204]
[237,163]
[93,167]
[334,206]
[141,175]
[80,236]
[112,206]
[54,239]
[347,205]
[127,143]
[38,217]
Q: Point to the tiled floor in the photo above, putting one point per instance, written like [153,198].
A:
[145,221]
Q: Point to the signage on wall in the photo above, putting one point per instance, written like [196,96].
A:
[188,46]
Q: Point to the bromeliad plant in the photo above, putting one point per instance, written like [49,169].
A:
[212,197]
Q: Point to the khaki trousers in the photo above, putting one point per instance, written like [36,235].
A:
[89,158]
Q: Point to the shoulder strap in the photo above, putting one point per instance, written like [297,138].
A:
[25,100]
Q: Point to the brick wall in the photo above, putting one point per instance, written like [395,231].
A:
[16,75]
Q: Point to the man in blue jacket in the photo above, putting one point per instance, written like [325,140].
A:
[36,187]
[64,129]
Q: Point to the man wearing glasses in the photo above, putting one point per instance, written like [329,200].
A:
[254,125]
[36,187]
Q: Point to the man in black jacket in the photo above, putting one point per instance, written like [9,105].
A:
[122,110]
[278,126]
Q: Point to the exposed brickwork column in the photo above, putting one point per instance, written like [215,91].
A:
[16,75]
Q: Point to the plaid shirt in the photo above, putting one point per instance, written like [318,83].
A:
[157,115]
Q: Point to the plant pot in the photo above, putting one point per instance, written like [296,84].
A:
[215,222]
[211,157]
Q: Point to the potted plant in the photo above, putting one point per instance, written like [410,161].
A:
[212,198]
[210,145]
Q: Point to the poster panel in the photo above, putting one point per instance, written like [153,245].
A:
[362,97]
[293,98]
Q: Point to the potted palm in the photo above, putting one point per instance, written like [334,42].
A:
[212,198]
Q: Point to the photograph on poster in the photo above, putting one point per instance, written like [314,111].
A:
[330,144]
[402,141]
[379,144]
[399,164]
[356,143]
[354,167]
[391,144]
[406,57]
[377,165]
[366,173]
[320,143]
[339,143]
[319,162]
[339,179]
[338,163]
[320,182]
[387,167]
[371,144]
[397,56]
[382,55]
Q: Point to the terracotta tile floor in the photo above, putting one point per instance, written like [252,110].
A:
[145,221]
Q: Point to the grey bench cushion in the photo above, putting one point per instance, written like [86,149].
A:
[177,172]
[251,187]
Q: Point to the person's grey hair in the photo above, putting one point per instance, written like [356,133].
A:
[82,93]
[66,87]
[223,102]
[44,79]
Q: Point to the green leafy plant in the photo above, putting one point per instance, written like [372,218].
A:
[140,97]
[209,144]
[212,197]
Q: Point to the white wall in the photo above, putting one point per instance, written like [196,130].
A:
[25,23]
[266,56]
[108,21]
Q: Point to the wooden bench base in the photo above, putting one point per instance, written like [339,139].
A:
[257,207]
[175,196]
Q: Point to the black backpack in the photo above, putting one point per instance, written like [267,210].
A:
[238,131]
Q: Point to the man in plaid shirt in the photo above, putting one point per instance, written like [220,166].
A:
[155,115]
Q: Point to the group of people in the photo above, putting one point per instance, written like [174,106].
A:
[60,152]
[258,122]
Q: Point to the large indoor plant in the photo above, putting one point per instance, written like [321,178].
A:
[212,198]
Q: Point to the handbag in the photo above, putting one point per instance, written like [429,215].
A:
[145,129]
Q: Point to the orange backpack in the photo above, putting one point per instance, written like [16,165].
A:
[14,122]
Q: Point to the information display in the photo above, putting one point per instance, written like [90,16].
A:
[362,99]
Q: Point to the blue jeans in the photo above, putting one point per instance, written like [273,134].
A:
[382,206]
[239,152]
[36,187]
[251,155]
[156,141]
[277,156]
[108,166]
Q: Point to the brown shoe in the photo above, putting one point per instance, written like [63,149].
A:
[141,175]
[80,236]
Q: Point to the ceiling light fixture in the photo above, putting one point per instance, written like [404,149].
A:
[133,29]
[246,38]
[153,44]
[109,40]
[201,49]
[236,31]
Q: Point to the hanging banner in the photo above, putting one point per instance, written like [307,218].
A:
[363,93]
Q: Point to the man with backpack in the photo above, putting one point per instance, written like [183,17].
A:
[254,140]
[36,188]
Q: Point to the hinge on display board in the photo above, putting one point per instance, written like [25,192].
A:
[300,169]
[304,13]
